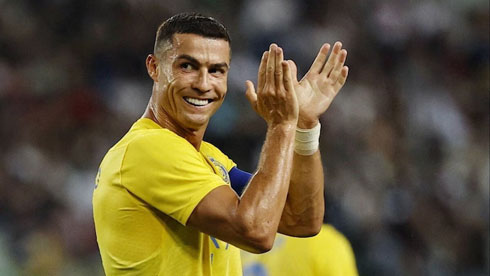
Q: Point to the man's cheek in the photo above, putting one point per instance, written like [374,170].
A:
[224,91]
[167,73]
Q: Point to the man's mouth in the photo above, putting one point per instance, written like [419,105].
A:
[197,102]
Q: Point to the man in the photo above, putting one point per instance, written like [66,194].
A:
[163,204]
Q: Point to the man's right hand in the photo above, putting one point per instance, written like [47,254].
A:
[275,100]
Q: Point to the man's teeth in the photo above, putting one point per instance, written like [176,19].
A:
[197,102]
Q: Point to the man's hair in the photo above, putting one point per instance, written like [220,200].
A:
[189,23]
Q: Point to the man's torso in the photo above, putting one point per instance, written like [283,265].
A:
[143,232]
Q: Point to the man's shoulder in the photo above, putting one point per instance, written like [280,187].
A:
[163,137]
[152,138]
[208,147]
[145,131]
[210,150]
[157,142]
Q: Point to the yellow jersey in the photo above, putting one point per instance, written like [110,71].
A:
[147,186]
[327,254]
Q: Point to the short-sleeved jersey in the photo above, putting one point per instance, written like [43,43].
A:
[327,254]
[147,186]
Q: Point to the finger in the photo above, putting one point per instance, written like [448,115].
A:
[251,95]
[262,69]
[269,74]
[321,57]
[287,77]
[278,74]
[332,59]
[334,75]
[294,71]
[343,77]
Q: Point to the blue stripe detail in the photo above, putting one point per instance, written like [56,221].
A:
[215,242]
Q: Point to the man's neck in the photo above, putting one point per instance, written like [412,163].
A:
[165,121]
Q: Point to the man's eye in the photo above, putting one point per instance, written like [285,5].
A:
[187,66]
[216,71]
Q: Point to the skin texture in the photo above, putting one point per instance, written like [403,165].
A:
[304,208]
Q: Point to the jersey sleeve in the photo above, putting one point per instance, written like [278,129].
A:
[238,179]
[219,155]
[170,176]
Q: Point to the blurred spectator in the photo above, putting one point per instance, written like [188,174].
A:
[327,254]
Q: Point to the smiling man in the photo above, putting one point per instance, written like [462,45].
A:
[163,202]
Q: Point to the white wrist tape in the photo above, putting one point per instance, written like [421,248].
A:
[306,141]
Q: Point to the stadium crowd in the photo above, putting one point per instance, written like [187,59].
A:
[405,144]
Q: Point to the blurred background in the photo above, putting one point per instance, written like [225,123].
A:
[405,144]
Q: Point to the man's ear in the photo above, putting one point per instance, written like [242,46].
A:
[151,67]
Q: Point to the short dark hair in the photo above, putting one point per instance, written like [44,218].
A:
[190,23]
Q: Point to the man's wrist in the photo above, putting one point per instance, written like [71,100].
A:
[307,141]
[283,124]
[307,123]
[285,127]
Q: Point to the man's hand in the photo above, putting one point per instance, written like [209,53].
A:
[320,85]
[275,100]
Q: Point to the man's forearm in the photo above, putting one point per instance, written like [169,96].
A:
[304,208]
[263,200]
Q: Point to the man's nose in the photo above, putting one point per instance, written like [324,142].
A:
[202,82]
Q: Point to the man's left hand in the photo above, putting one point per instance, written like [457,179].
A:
[320,85]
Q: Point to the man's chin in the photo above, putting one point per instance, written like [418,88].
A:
[196,123]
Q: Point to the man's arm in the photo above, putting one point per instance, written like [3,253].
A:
[251,222]
[304,209]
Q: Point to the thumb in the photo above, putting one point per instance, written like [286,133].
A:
[251,95]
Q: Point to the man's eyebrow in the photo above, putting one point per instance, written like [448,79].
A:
[189,58]
[194,60]
[220,65]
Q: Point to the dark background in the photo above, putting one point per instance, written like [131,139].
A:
[405,144]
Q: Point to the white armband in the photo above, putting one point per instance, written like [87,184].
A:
[306,141]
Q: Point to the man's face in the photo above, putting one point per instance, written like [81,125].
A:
[192,79]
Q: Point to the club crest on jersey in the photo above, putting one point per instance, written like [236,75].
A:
[221,170]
